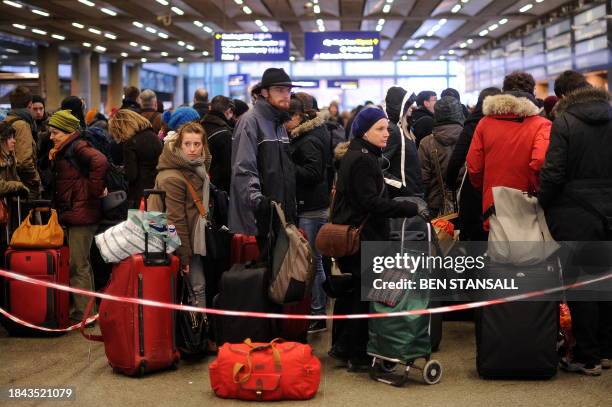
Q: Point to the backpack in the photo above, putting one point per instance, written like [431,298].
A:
[292,266]
[114,180]
[98,138]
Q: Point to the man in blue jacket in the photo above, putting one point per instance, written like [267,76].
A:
[262,170]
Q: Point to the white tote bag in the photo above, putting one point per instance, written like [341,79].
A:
[518,233]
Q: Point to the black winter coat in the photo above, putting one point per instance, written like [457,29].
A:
[578,167]
[470,201]
[310,156]
[219,135]
[202,108]
[140,155]
[412,167]
[360,191]
[422,124]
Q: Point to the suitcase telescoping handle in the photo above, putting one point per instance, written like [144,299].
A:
[159,258]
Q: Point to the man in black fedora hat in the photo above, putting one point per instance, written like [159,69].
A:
[262,170]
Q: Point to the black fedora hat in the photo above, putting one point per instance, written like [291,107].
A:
[275,77]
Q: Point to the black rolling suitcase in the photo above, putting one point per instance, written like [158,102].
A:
[244,288]
[518,340]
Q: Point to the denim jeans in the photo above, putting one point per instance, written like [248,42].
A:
[311,227]
[198,281]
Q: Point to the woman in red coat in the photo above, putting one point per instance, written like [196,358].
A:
[79,172]
[510,142]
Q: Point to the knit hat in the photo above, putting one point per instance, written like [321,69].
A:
[166,116]
[448,110]
[181,116]
[365,120]
[64,120]
[451,92]
[240,107]
[275,77]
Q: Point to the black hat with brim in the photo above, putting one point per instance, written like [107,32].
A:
[275,77]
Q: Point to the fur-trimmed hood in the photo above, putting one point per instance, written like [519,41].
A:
[341,150]
[507,104]
[306,127]
[591,105]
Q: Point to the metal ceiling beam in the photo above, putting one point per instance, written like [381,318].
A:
[422,10]
[280,9]
[209,11]
[467,30]
[352,10]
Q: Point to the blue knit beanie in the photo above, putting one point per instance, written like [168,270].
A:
[365,120]
[166,116]
[181,116]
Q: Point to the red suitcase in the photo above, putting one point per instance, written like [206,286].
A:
[243,249]
[140,339]
[37,305]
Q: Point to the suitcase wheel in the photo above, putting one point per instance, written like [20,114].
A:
[432,372]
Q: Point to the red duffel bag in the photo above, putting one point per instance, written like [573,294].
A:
[265,371]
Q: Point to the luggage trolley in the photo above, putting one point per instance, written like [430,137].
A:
[401,344]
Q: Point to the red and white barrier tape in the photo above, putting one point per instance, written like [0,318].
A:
[214,311]
[44,329]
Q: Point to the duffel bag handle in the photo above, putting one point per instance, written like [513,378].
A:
[91,337]
[238,367]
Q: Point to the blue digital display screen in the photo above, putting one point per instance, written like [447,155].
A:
[342,45]
[343,83]
[261,46]
[240,79]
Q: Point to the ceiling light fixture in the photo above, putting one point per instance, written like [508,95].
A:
[418,45]
[143,60]
[442,57]
[410,52]
[100,48]
[164,54]
[483,33]
[316,9]
[124,54]
[40,12]
[493,27]
[463,45]
[20,26]
[470,41]
[145,48]
[207,29]
[451,52]
[430,33]
[110,36]
[87,44]
[239,2]
[33,63]
[386,8]
[539,1]
[58,37]
[163,35]
[247,10]
[259,23]
[180,59]
[162,2]
[12,51]
[177,10]
[379,28]
[381,21]
[108,11]
[198,23]
[94,31]
[456,8]
[137,24]
[133,44]
[181,43]
[404,57]
[190,47]
[503,21]
[319,21]
[12,4]
[442,21]
[526,7]
[205,53]
[87,3]
[265,29]
[151,30]
[78,25]
[39,32]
